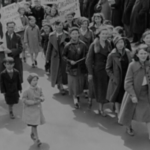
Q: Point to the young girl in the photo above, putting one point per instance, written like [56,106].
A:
[32,110]
[136,102]
[32,40]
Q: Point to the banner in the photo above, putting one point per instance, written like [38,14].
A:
[63,7]
[46,2]
[10,13]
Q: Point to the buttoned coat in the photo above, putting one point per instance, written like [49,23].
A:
[114,70]
[10,87]
[32,114]
[133,85]
[52,55]
[16,47]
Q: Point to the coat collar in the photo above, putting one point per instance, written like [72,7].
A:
[116,56]
[53,39]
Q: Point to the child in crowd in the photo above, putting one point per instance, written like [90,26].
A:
[32,110]
[10,84]
[32,40]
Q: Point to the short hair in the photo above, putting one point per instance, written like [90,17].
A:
[84,19]
[31,18]
[101,15]
[140,47]
[58,22]
[10,22]
[8,60]
[147,32]
[120,30]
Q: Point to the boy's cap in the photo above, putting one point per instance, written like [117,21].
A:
[74,29]
[8,60]
[31,76]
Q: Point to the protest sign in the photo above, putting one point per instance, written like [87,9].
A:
[46,2]
[10,13]
[64,7]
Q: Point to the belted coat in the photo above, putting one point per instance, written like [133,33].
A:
[133,85]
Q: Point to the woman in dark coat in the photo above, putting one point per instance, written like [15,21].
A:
[117,11]
[57,41]
[96,63]
[87,36]
[136,101]
[139,18]
[74,54]
[97,22]
[116,67]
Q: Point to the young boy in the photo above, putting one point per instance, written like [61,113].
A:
[32,40]
[10,84]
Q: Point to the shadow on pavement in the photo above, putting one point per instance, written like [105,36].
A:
[16,125]
[44,146]
[39,71]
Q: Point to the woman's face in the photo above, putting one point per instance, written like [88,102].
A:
[34,82]
[147,39]
[97,20]
[74,35]
[142,55]
[84,25]
[22,11]
[120,45]
[47,10]
[53,11]
[115,33]
[69,18]
[103,35]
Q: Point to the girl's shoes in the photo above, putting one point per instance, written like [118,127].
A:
[38,143]
[63,92]
[12,115]
[130,131]
[33,137]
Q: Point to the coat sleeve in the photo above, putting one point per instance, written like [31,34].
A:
[130,6]
[90,60]
[2,87]
[49,52]
[19,82]
[26,99]
[19,48]
[109,67]
[128,85]
[41,94]
[65,53]
[26,40]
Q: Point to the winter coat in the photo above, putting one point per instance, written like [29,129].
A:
[117,11]
[133,84]
[10,87]
[53,55]
[128,6]
[139,17]
[113,69]
[15,45]
[32,114]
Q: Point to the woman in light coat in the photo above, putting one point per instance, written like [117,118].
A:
[136,101]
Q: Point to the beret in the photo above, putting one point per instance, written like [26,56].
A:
[31,76]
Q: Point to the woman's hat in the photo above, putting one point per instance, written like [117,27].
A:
[73,29]
[117,39]
[31,76]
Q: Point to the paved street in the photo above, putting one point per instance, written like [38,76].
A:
[66,128]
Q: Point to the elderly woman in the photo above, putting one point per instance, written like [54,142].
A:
[136,102]
[116,67]
[74,54]
[96,63]
[97,22]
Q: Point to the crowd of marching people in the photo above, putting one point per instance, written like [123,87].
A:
[93,56]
